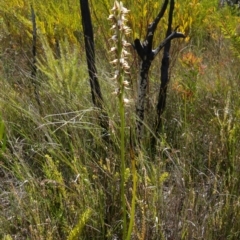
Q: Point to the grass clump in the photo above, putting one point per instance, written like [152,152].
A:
[60,180]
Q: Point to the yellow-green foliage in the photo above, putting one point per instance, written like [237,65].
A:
[230,27]
[7,237]
[54,175]
[141,15]
[61,19]
[62,72]
[185,15]
[219,23]
[191,16]
[76,231]
[56,19]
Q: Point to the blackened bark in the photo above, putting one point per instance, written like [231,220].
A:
[92,70]
[164,76]
[142,90]
[164,68]
[90,53]
[147,55]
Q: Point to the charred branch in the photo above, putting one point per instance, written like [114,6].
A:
[173,35]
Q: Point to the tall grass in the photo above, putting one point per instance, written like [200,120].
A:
[59,179]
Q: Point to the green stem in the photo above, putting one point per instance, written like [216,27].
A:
[132,214]
[122,149]
[185,114]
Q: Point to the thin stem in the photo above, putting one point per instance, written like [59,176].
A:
[133,203]
[122,132]
[122,117]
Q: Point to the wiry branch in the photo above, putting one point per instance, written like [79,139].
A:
[173,35]
[152,27]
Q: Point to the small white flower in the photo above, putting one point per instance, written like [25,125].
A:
[115,6]
[125,43]
[116,73]
[113,49]
[111,17]
[122,8]
[116,91]
[113,27]
[115,61]
[114,38]
[126,30]
[126,66]
[119,22]
[122,60]
[123,18]
[125,53]
[114,77]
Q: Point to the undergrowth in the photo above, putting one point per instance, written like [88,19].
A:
[60,180]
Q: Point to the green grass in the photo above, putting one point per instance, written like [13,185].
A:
[60,180]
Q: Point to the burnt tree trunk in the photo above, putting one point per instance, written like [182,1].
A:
[92,70]
[164,80]
[147,55]
[164,72]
